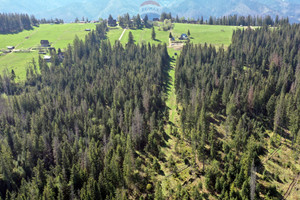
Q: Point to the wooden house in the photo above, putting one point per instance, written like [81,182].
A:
[45,43]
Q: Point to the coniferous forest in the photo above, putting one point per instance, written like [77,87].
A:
[254,85]
[72,130]
[15,23]
[79,128]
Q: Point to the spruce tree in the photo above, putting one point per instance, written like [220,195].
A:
[153,34]
[130,38]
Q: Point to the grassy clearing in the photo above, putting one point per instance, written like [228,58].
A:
[200,34]
[63,34]
[144,36]
[114,34]
[18,62]
[210,34]
[176,147]
[60,35]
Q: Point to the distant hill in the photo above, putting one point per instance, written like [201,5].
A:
[69,10]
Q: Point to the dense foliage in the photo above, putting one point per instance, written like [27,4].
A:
[14,23]
[73,130]
[91,126]
[236,20]
[134,22]
[253,86]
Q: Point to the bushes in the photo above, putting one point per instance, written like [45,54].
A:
[167,25]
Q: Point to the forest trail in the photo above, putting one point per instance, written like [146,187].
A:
[122,34]
[291,186]
[175,169]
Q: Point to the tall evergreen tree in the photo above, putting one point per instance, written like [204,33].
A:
[153,34]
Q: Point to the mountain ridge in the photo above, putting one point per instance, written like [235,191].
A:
[69,10]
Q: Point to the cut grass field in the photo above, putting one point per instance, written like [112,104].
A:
[210,34]
[18,62]
[63,34]
[114,34]
[200,34]
[59,35]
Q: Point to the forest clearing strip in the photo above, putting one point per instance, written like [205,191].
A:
[174,115]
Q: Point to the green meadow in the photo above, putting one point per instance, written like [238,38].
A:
[211,34]
[200,34]
[59,35]
[63,34]
[114,34]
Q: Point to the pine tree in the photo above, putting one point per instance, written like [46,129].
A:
[146,20]
[153,34]
[130,38]
[202,150]
[138,21]
[13,75]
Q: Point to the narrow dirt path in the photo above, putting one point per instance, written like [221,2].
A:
[122,34]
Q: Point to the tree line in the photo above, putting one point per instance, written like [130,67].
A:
[14,23]
[231,20]
[134,22]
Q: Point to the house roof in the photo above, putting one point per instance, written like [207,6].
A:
[44,42]
[184,35]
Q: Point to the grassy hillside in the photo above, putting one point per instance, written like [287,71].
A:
[58,35]
[61,35]
[200,34]
[114,34]
[18,62]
